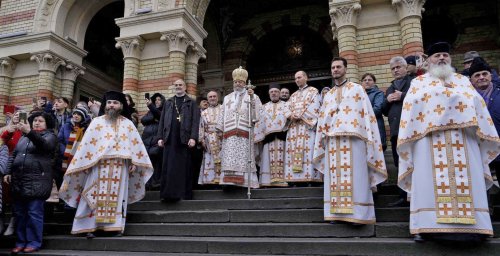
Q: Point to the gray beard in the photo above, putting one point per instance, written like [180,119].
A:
[113,114]
[238,89]
[440,71]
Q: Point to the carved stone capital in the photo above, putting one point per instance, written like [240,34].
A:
[408,8]
[177,41]
[194,53]
[48,61]
[72,71]
[7,67]
[131,46]
[344,13]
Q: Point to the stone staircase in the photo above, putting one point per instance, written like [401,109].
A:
[280,221]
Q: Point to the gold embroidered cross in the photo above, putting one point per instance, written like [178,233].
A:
[460,166]
[440,166]
[443,187]
[355,123]
[421,117]
[464,209]
[346,202]
[108,136]
[457,145]
[123,137]
[439,109]
[447,92]
[445,209]
[99,127]
[89,156]
[407,106]
[139,155]
[426,97]
[135,141]
[439,145]
[462,187]
[461,107]
[345,166]
[93,141]
[345,184]
[345,149]
[356,97]
[347,110]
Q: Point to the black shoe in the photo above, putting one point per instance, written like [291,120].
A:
[399,203]
[418,239]
[90,235]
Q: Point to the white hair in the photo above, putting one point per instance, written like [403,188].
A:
[398,59]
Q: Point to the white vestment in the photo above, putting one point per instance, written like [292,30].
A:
[273,120]
[300,136]
[98,181]
[211,165]
[349,154]
[446,141]
[234,122]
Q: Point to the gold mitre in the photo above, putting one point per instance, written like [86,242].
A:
[240,74]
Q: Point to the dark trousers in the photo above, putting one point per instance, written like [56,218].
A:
[29,222]
[395,156]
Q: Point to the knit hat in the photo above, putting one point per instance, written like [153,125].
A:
[82,112]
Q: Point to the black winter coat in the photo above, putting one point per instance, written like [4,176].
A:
[151,122]
[393,109]
[31,165]
[190,121]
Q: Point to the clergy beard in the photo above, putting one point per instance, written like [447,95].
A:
[113,114]
[238,89]
[440,71]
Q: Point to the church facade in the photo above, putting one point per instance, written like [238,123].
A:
[80,49]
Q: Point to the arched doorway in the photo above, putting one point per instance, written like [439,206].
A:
[104,63]
[277,56]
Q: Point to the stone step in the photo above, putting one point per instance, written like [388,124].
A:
[264,193]
[394,214]
[236,229]
[48,252]
[284,246]
[230,204]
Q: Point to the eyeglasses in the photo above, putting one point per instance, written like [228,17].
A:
[178,84]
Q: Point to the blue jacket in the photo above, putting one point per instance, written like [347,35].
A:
[494,108]
[377,99]
[64,133]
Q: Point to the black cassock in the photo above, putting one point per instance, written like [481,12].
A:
[176,173]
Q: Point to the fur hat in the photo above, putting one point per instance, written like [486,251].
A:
[438,47]
[478,64]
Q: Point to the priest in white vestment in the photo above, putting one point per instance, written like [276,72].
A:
[270,134]
[235,123]
[108,171]
[304,107]
[446,141]
[348,150]
[211,141]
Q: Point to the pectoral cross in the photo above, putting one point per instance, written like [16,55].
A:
[179,118]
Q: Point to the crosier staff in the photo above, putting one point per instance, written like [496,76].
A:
[251,124]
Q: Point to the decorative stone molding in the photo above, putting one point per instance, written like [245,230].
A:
[44,15]
[131,47]
[48,61]
[162,5]
[194,53]
[408,8]
[7,67]
[72,71]
[345,13]
[177,41]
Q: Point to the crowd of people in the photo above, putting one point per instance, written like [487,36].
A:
[443,132]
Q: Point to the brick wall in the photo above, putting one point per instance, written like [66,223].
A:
[17,15]
[22,91]
[376,47]
[153,78]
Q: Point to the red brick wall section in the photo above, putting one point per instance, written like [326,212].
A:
[17,17]
[376,58]
[350,56]
[191,89]
[413,48]
[130,84]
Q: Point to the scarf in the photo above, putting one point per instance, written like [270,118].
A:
[74,139]
[486,93]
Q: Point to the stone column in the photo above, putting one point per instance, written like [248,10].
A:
[410,14]
[344,16]
[7,67]
[178,42]
[48,63]
[131,48]
[69,75]
[194,54]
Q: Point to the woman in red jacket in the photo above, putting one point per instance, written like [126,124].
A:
[10,136]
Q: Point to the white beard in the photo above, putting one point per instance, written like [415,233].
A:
[441,71]
[238,89]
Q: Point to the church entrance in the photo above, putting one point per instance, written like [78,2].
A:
[278,56]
